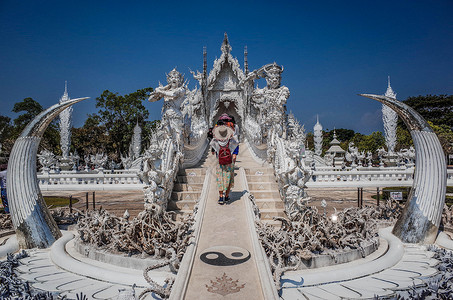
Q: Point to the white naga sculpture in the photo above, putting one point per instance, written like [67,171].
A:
[420,220]
[32,220]
[390,119]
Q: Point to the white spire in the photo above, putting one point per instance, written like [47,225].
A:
[390,119]
[65,96]
[317,136]
[65,124]
[390,93]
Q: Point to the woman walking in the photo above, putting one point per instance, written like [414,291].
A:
[224,143]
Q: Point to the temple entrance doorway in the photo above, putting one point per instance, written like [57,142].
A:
[229,108]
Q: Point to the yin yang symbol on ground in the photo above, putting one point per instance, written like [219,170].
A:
[225,256]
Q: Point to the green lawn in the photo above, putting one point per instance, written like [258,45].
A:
[55,201]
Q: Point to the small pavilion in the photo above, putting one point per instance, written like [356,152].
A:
[336,152]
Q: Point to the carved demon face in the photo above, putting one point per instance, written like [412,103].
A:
[174,78]
[273,80]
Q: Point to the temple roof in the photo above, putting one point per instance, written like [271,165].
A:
[335,148]
[225,58]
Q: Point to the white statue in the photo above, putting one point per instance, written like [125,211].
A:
[47,159]
[270,101]
[174,95]
[152,174]
[352,154]
[317,137]
[98,160]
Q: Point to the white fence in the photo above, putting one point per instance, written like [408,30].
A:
[367,177]
[128,180]
[93,181]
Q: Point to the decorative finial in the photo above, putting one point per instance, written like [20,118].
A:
[65,96]
[205,63]
[226,48]
[390,93]
[246,63]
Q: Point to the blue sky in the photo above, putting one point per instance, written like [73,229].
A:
[331,50]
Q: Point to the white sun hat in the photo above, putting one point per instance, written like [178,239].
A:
[222,132]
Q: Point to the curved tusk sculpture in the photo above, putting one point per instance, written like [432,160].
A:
[32,221]
[420,220]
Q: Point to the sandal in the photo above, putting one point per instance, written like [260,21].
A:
[221,201]
[227,199]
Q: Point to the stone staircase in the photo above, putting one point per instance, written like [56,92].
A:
[262,185]
[187,190]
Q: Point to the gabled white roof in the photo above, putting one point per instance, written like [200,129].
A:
[219,63]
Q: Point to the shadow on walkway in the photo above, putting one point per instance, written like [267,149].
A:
[236,196]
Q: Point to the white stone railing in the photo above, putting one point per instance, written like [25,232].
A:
[128,180]
[119,180]
[367,178]
[194,152]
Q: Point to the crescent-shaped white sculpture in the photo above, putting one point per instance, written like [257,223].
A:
[32,220]
[420,220]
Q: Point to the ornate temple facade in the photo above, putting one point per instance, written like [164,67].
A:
[223,90]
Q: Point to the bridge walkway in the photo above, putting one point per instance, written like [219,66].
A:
[225,266]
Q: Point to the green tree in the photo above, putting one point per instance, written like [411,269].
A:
[5,134]
[370,142]
[28,110]
[437,109]
[310,141]
[445,135]
[403,137]
[115,122]
[91,138]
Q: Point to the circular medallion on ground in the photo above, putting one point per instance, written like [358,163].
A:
[225,256]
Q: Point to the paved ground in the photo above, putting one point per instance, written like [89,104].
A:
[416,264]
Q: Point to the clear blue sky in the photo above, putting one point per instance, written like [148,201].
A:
[331,50]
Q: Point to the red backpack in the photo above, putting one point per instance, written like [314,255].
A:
[225,155]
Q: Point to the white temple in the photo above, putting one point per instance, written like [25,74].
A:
[390,119]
